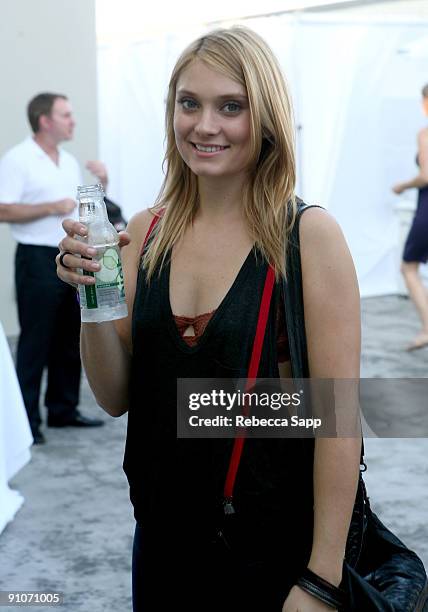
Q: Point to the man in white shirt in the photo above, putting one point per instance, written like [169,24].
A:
[38,183]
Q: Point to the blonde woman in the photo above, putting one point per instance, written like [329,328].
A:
[223,219]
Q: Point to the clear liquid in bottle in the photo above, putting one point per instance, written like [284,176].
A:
[104,300]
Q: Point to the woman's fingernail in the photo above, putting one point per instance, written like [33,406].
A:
[91,251]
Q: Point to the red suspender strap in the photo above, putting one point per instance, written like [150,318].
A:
[252,374]
[261,326]
[252,370]
[152,225]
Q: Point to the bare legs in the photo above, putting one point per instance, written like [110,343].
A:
[418,294]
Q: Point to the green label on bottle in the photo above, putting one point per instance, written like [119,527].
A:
[106,285]
[90,293]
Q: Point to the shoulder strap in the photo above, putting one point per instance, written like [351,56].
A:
[153,224]
[293,290]
[294,309]
[252,374]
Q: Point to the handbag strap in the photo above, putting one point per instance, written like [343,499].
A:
[294,312]
[253,369]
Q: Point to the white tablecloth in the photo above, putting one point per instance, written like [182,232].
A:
[15,434]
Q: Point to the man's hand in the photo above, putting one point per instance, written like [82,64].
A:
[99,170]
[62,207]
[300,601]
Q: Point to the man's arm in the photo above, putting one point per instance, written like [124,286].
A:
[99,170]
[13,178]
[23,213]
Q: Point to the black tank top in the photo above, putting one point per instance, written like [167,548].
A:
[181,480]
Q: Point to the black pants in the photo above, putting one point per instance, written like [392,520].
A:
[205,577]
[49,317]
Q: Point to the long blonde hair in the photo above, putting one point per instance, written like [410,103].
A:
[268,199]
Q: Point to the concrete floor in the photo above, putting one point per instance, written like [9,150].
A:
[397,475]
[74,531]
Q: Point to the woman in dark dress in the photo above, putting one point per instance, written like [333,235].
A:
[224,224]
[416,247]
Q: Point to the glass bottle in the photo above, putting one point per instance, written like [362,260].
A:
[104,300]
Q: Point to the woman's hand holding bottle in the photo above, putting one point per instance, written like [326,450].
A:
[79,255]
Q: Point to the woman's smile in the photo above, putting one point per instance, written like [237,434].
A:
[208,150]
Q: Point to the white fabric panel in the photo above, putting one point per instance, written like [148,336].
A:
[352,144]
[133,84]
[356,92]
[15,434]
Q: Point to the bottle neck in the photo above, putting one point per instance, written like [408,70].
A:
[91,203]
[92,209]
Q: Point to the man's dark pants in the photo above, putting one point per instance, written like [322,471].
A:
[49,317]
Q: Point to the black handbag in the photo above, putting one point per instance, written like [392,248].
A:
[114,213]
[380,573]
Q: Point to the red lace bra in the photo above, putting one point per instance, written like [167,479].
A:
[200,322]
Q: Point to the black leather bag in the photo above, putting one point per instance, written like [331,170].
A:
[380,573]
[114,213]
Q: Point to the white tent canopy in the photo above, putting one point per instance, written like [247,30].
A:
[355,78]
